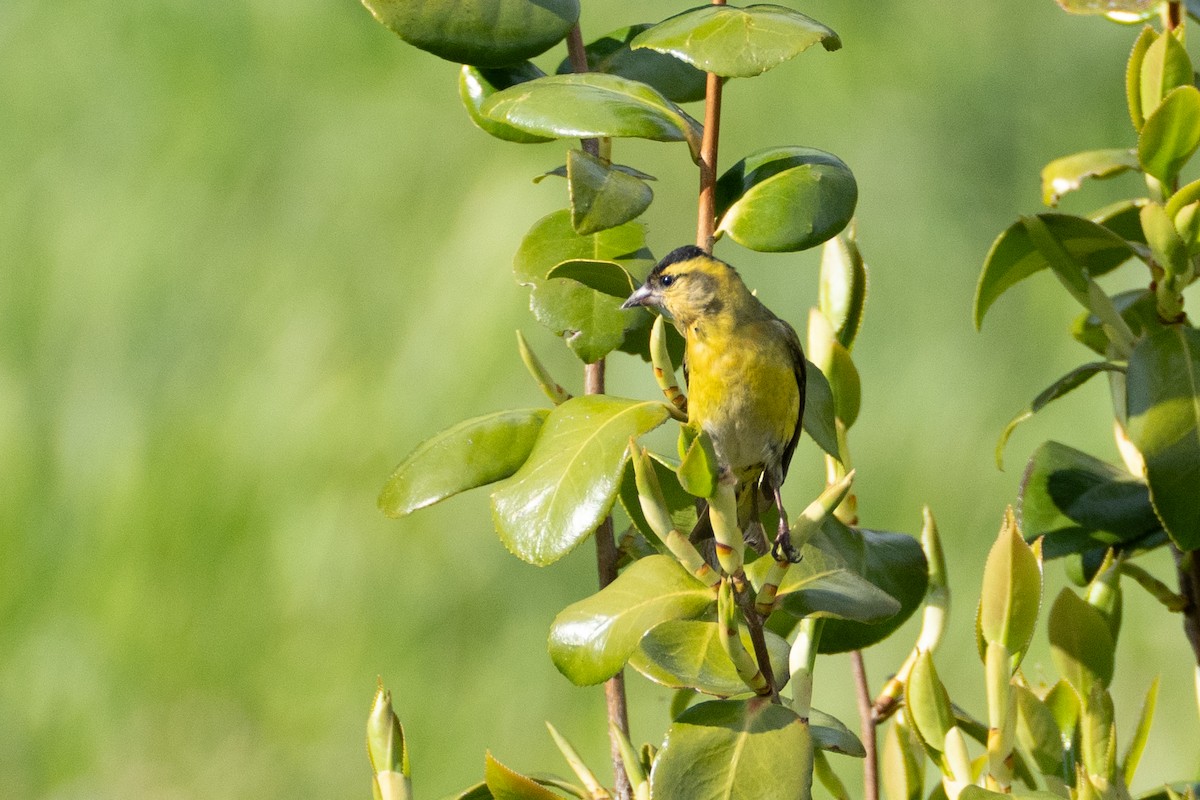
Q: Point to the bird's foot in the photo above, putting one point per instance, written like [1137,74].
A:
[783,550]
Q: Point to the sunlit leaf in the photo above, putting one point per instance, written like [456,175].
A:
[737,42]
[591,640]
[1014,256]
[486,33]
[735,750]
[1171,134]
[1126,11]
[507,784]
[476,84]
[1164,66]
[688,654]
[1136,306]
[926,704]
[1081,643]
[698,467]
[785,199]
[569,482]
[680,505]
[1137,744]
[1011,595]
[678,81]
[1133,76]
[903,773]
[1163,403]
[592,105]
[602,197]
[842,287]
[1066,174]
[472,453]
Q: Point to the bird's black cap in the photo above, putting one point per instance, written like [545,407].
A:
[685,253]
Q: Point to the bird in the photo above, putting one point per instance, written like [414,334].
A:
[745,372]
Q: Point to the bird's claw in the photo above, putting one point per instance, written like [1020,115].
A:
[782,549]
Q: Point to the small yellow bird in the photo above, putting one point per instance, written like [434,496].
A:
[744,367]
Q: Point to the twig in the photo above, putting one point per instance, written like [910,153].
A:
[1188,566]
[867,723]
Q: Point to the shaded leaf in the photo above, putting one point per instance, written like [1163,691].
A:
[835,362]
[688,654]
[680,505]
[472,453]
[591,640]
[477,84]
[1137,744]
[592,105]
[1037,731]
[734,750]
[602,197]
[737,42]
[1011,595]
[903,773]
[831,735]
[926,704]
[1136,306]
[507,784]
[1066,174]
[552,241]
[699,468]
[486,33]
[568,484]
[836,594]
[820,410]
[1081,643]
[1014,256]
[785,199]
[678,81]
[1171,134]
[1122,218]
[1163,403]
[606,277]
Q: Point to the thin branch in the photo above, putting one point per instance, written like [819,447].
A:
[1188,566]
[706,213]
[867,722]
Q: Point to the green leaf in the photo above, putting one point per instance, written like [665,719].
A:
[1163,402]
[1122,218]
[820,410]
[699,469]
[568,484]
[1124,11]
[926,704]
[1065,174]
[1011,596]
[1133,76]
[1081,643]
[819,587]
[591,640]
[1164,66]
[606,277]
[1168,247]
[1037,731]
[592,105]
[591,322]
[677,81]
[903,772]
[1171,134]
[831,735]
[485,33]
[1083,505]
[1185,196]
[737,42]
[1141,734]
[785,199]
[838,367]
[1014,256]
[680,505]
[476,84]
[1067,383]
[472,453]
[842,287]
[688,654]
[1136,306]
[735,750]
[892,562]
[505,784]
[602,197]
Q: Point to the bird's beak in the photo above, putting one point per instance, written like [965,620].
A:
[644,296]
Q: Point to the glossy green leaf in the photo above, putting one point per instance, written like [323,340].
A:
[820,410]
[1081,643]
[476,84]
[486,33]
[591,640]
[1066,174]
[737,42]
[688,654]
[606,277]
[1084,505]
[592,105]
[785,199]
[568,484]
[1164,66]
[1011,595]
[835,594]
[1163,403]
[507,784]
[1124,11]
[1037,731]
[903,762]
[602,197]
[1014,255]
[926,704]
[1171,134]
[592,323]
[1137,307]
[1067,383]
[1133,76]
[698,470]
[842,287]
[892,562]
[735,750]
[679,82]
[472,453]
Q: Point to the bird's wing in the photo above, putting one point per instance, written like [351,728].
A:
[800,371]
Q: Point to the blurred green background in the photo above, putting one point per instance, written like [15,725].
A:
[251,254]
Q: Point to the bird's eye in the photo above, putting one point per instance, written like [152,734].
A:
[667,280]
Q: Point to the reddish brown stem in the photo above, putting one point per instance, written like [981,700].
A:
[867,727]
[1174,15]
[707,215]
